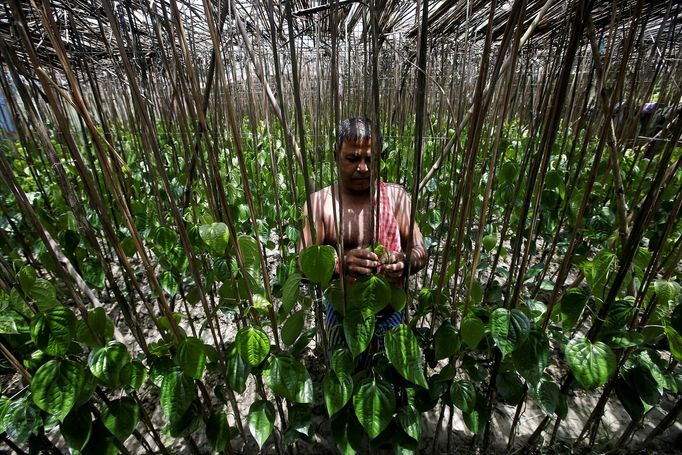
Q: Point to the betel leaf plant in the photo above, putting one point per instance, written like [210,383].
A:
[151,297]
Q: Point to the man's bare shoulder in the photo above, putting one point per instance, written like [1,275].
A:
[321,195]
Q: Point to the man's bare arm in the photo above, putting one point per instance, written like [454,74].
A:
[402,209]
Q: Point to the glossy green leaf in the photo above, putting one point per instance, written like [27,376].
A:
[218,432]
[629,398]
[530,359]
[22,420]
[291,292]
[98,330]
[177,393]
[93,273]
[318,262]
[410,421]
[371,291]
[299,419]
[53,330]
[620,313]
[237,370]
[572,305]
[337,390]
[138,374]
[398,298]
[77,428]
[404,354]
[477,418]
[675,343]
[374,405]
[253,345]
[546,395]
[472,331]
[216,236]
[293,327]
[489,242]
[261,420]
[463,395]
[181,426]
[109,364]
[43,294]
[591,364]
[250,253]
[509,329]
[192,357]
[288,378]
[603,266]
[26,276]
[56,386]
[342,362]
[358,329]
[509,387]
[447,341]
[120,417]
[169,283]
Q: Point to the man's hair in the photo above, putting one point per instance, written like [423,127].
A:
[354,131]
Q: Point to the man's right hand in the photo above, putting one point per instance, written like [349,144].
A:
[360,262]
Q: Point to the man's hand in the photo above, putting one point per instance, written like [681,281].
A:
[359,262]
[394,266]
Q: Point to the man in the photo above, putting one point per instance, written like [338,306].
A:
[353,153]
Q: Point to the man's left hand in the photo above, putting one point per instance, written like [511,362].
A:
[394,267]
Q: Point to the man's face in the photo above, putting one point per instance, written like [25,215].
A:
[355,162]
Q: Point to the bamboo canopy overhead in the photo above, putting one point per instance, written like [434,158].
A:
[86,30]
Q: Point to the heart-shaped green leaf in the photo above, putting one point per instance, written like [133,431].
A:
[591,364]
[53,330]
[509,329]
[337,390]
[138,374]
[371,291]
[218,432]
[572,304]
[463,395]
[404,354]
[291,292]
[358,328]
[374,404]
[56,385]
[121,417]
[410,421]
[109,364]
[98,330]
[546,395]
[192,357]
[236,369]
[447,341]
[318,262]
[177,393]
[287,377]
[472,331]
[216,236]
[530,359]
[261,421]
[293,327]
[77,427]
[253,345]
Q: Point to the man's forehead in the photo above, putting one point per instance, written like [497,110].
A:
[357,146]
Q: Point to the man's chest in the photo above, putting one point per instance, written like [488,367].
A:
[355,219]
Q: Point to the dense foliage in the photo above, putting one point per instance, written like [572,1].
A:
[153,299]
